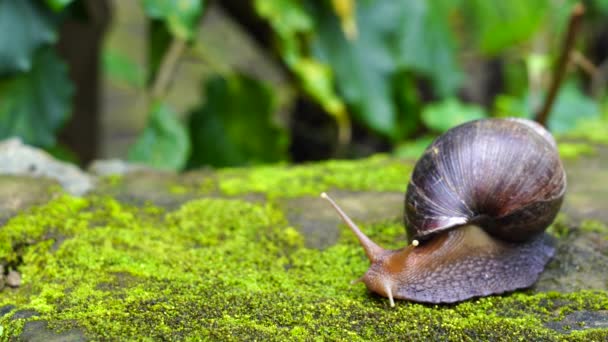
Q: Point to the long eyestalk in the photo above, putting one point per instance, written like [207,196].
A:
[372,250]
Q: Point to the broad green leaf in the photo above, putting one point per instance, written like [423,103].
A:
[426,43]
[34,105]
[164,143]
[363,67]
[449,113]
[500,24]
[236,125]
[24,27]
[317,80]
[58,5]
[570,108]
[180,16]
[290,21]
[392,37]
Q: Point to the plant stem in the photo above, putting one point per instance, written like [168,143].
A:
[560,68]
[167,68]
[584,63]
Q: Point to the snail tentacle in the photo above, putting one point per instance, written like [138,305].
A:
[372,250]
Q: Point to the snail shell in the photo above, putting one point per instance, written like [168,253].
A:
[476,207]
[503,175]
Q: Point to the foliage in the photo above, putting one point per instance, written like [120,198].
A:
[32,105]
[164,143]
[400,69]
[571,107]
[180,17]
[449,113]
[221,129]
[26,27]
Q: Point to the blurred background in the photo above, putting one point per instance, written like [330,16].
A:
[180,84]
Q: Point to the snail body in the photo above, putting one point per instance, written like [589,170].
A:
[476,207]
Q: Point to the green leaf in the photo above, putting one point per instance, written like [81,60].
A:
[392,37]
[287,17]
[426,44]
[58,5]
[317,80]
[363,66]
[449,113]
[499,25]
[24,27]
[570,108]
[180,16]
[290,21]
[34,105]
[164,143]
[236,125]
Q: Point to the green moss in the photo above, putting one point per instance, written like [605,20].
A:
[571,150]
[232,270]
[112,180]
[594,226]
[591,130]
[177,189]
[379,173]
[560,228]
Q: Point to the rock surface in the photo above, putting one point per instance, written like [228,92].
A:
[19,159]
[254,254]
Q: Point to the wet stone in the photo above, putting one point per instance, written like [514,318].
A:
[581,320]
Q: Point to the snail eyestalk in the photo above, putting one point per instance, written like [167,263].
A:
[372,250]
[389,294]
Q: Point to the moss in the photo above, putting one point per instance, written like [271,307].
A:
[594,226]
[379,173]
[560,228]
[176,189]
[232,270]
[591,130]
[113,180]
[571,150]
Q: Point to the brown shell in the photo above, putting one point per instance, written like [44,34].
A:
[504,175]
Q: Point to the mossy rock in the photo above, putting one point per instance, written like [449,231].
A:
[254,254]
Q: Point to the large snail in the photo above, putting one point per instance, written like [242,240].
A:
[476,208]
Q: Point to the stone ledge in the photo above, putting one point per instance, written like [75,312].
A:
[254,254]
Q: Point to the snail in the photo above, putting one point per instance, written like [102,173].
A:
[476,208]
